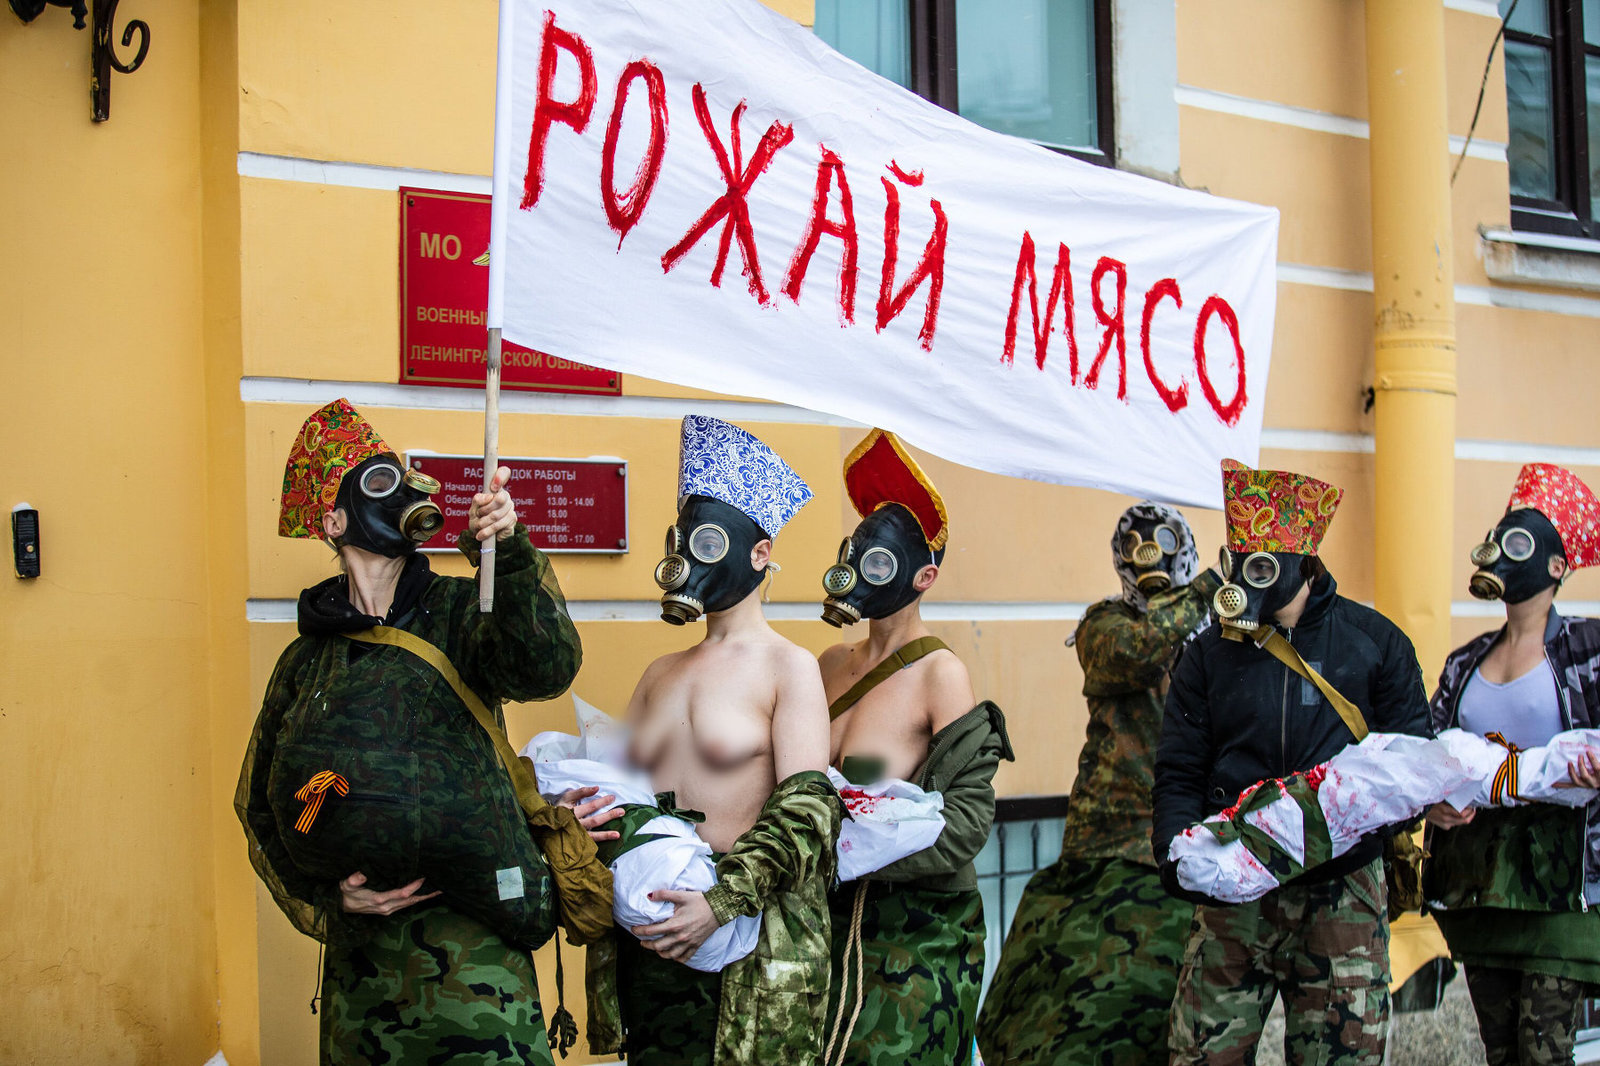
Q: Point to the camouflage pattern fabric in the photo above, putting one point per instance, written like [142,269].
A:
[668,1010]
[1527,858]
[921,965]
[772,1001]
[1125,656]
[1525,1019]
[1323,947]
[431,987]
[428,795]
[1088,969]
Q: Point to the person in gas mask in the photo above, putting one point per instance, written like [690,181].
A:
[408,976]
[1242,708]
[1091,961]
[908,939]
[1511,887]
[735,727]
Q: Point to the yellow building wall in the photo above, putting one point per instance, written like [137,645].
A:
[106,854]
[182,320]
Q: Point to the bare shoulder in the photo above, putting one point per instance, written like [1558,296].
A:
[947,688]
[788,657]
[835,657]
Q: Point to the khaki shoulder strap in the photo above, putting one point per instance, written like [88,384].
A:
[896,662]
[1285,653]
[521,777]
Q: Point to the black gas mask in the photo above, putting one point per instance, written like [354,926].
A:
[1150,547]
[707,566]
[877,567]
[1259,585]
[1514,559]
[388,509]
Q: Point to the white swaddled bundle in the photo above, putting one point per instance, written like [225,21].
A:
[1316,816]
[888,820]
[1539,771]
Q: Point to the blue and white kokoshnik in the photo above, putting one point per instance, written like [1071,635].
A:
[724,462]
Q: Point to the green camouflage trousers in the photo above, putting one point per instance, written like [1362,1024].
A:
[669,1012]
[1088,969]
[1323,947]
[431,986]
[1525,1019]
[915,994]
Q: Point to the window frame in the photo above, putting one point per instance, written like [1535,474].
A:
[935,72]
[1572,210]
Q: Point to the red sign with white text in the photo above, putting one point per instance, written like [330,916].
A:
[444,289]
[568,505]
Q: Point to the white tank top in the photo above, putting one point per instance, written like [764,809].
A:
[1526,711]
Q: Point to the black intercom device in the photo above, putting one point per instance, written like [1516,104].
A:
[25,540]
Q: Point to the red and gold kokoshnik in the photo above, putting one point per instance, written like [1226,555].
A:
[1276,510]
[333,440]
[1559,495]
[880,471]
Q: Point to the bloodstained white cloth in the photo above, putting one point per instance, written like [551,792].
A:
[888,820]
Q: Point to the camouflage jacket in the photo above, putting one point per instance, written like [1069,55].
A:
[1125,657]
[527,649]
[1538,856]
[962,759]
[775,999]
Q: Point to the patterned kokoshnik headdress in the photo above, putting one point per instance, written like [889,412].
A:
[726,463]
[334,439]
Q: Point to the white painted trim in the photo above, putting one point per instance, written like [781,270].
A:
[1317,440]
[356,175]
[1307,118]
[284,611]
[1523,300]
[1487,8]
[1540,240]
[1325,277]
[1473,295]
[1496,609]
[1504,451]
[303,392]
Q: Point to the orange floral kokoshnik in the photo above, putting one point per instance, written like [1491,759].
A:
[1276,510]
[333,440]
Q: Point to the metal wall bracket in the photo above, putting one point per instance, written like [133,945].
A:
[102,56]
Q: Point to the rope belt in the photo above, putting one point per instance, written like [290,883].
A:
[1505,778]
[852,951]
[313,794]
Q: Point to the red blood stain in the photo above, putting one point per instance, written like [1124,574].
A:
[623,209]
[929,268]
[830,172]
[731,208]
[547,110]
[1060,284]
[1175,399]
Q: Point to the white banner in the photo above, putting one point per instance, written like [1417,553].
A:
[702,192]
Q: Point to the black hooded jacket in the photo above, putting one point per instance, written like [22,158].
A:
[1235,715]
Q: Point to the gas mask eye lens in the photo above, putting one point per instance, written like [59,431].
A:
[1261,570]
[1167,540]
[708,543]
[845,549]
[380,481]
[1518,544]
[1130,543]
[878,566]
[1225,563]
[674,541]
